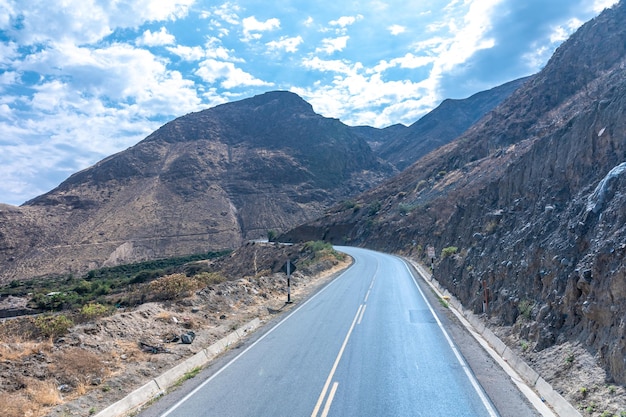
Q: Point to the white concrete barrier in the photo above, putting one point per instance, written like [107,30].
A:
[159,385]
[559,404]
[140,396]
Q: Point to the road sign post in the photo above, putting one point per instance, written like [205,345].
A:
[288,268]
[431,255]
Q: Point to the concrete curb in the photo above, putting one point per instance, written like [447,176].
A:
[506,356]
[159,385]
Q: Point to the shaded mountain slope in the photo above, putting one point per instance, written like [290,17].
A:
[442,125]
[529,202]
[204,181]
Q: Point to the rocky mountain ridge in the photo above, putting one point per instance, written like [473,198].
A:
[527,206]
[208,181]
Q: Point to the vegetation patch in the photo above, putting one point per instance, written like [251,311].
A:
[449,251]
[100,285]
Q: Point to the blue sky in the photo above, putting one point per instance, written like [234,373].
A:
[85,79]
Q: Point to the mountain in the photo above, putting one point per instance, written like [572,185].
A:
[442,125]
[528,202]
[205,181]
[212,179]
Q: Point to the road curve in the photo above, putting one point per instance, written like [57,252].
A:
[368,344]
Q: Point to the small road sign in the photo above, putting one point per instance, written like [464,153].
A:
[288,268]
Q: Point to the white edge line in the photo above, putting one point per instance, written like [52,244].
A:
[223,368]
[470,375]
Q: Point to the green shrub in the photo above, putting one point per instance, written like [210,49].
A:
[373,208]
[55,301]
[525,308]
[449,251]
[209,278]
[347,205]
[172,286]
[53,326]
[421,185]
[405,208]
[93,310]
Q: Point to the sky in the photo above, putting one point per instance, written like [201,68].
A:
[83,79]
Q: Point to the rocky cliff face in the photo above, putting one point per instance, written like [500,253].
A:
[528,203]
[205,181]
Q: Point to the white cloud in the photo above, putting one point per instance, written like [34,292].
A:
[227,12]
[396,29]
[160,38]
[211,71]
[288,44]
[456,40]
[8,52]
[562,32]
[331,45]
[187,53]
[345,21]
[599,5]
[252,27]
[86,21]
[408,61]
[6,11]
[359,96]
[118,72]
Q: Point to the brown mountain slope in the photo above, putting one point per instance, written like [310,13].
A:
[204,181]
[529,201]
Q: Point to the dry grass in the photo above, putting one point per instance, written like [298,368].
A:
[172,287]
[32,400]
[17,330]
[164,316]
[19,350]
[18,405]
[76,366]
[44,393]
[131,350]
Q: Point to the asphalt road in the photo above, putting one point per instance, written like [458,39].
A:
[368,344]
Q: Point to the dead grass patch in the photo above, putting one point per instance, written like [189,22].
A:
[19,350]
[164,316]
[130,349]
[17,330]
[76,366]
[18,405]
[43,393]
[32,400]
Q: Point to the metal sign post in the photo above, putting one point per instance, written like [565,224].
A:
[431,255]
[288,268]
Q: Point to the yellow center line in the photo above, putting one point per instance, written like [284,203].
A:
[320,400]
